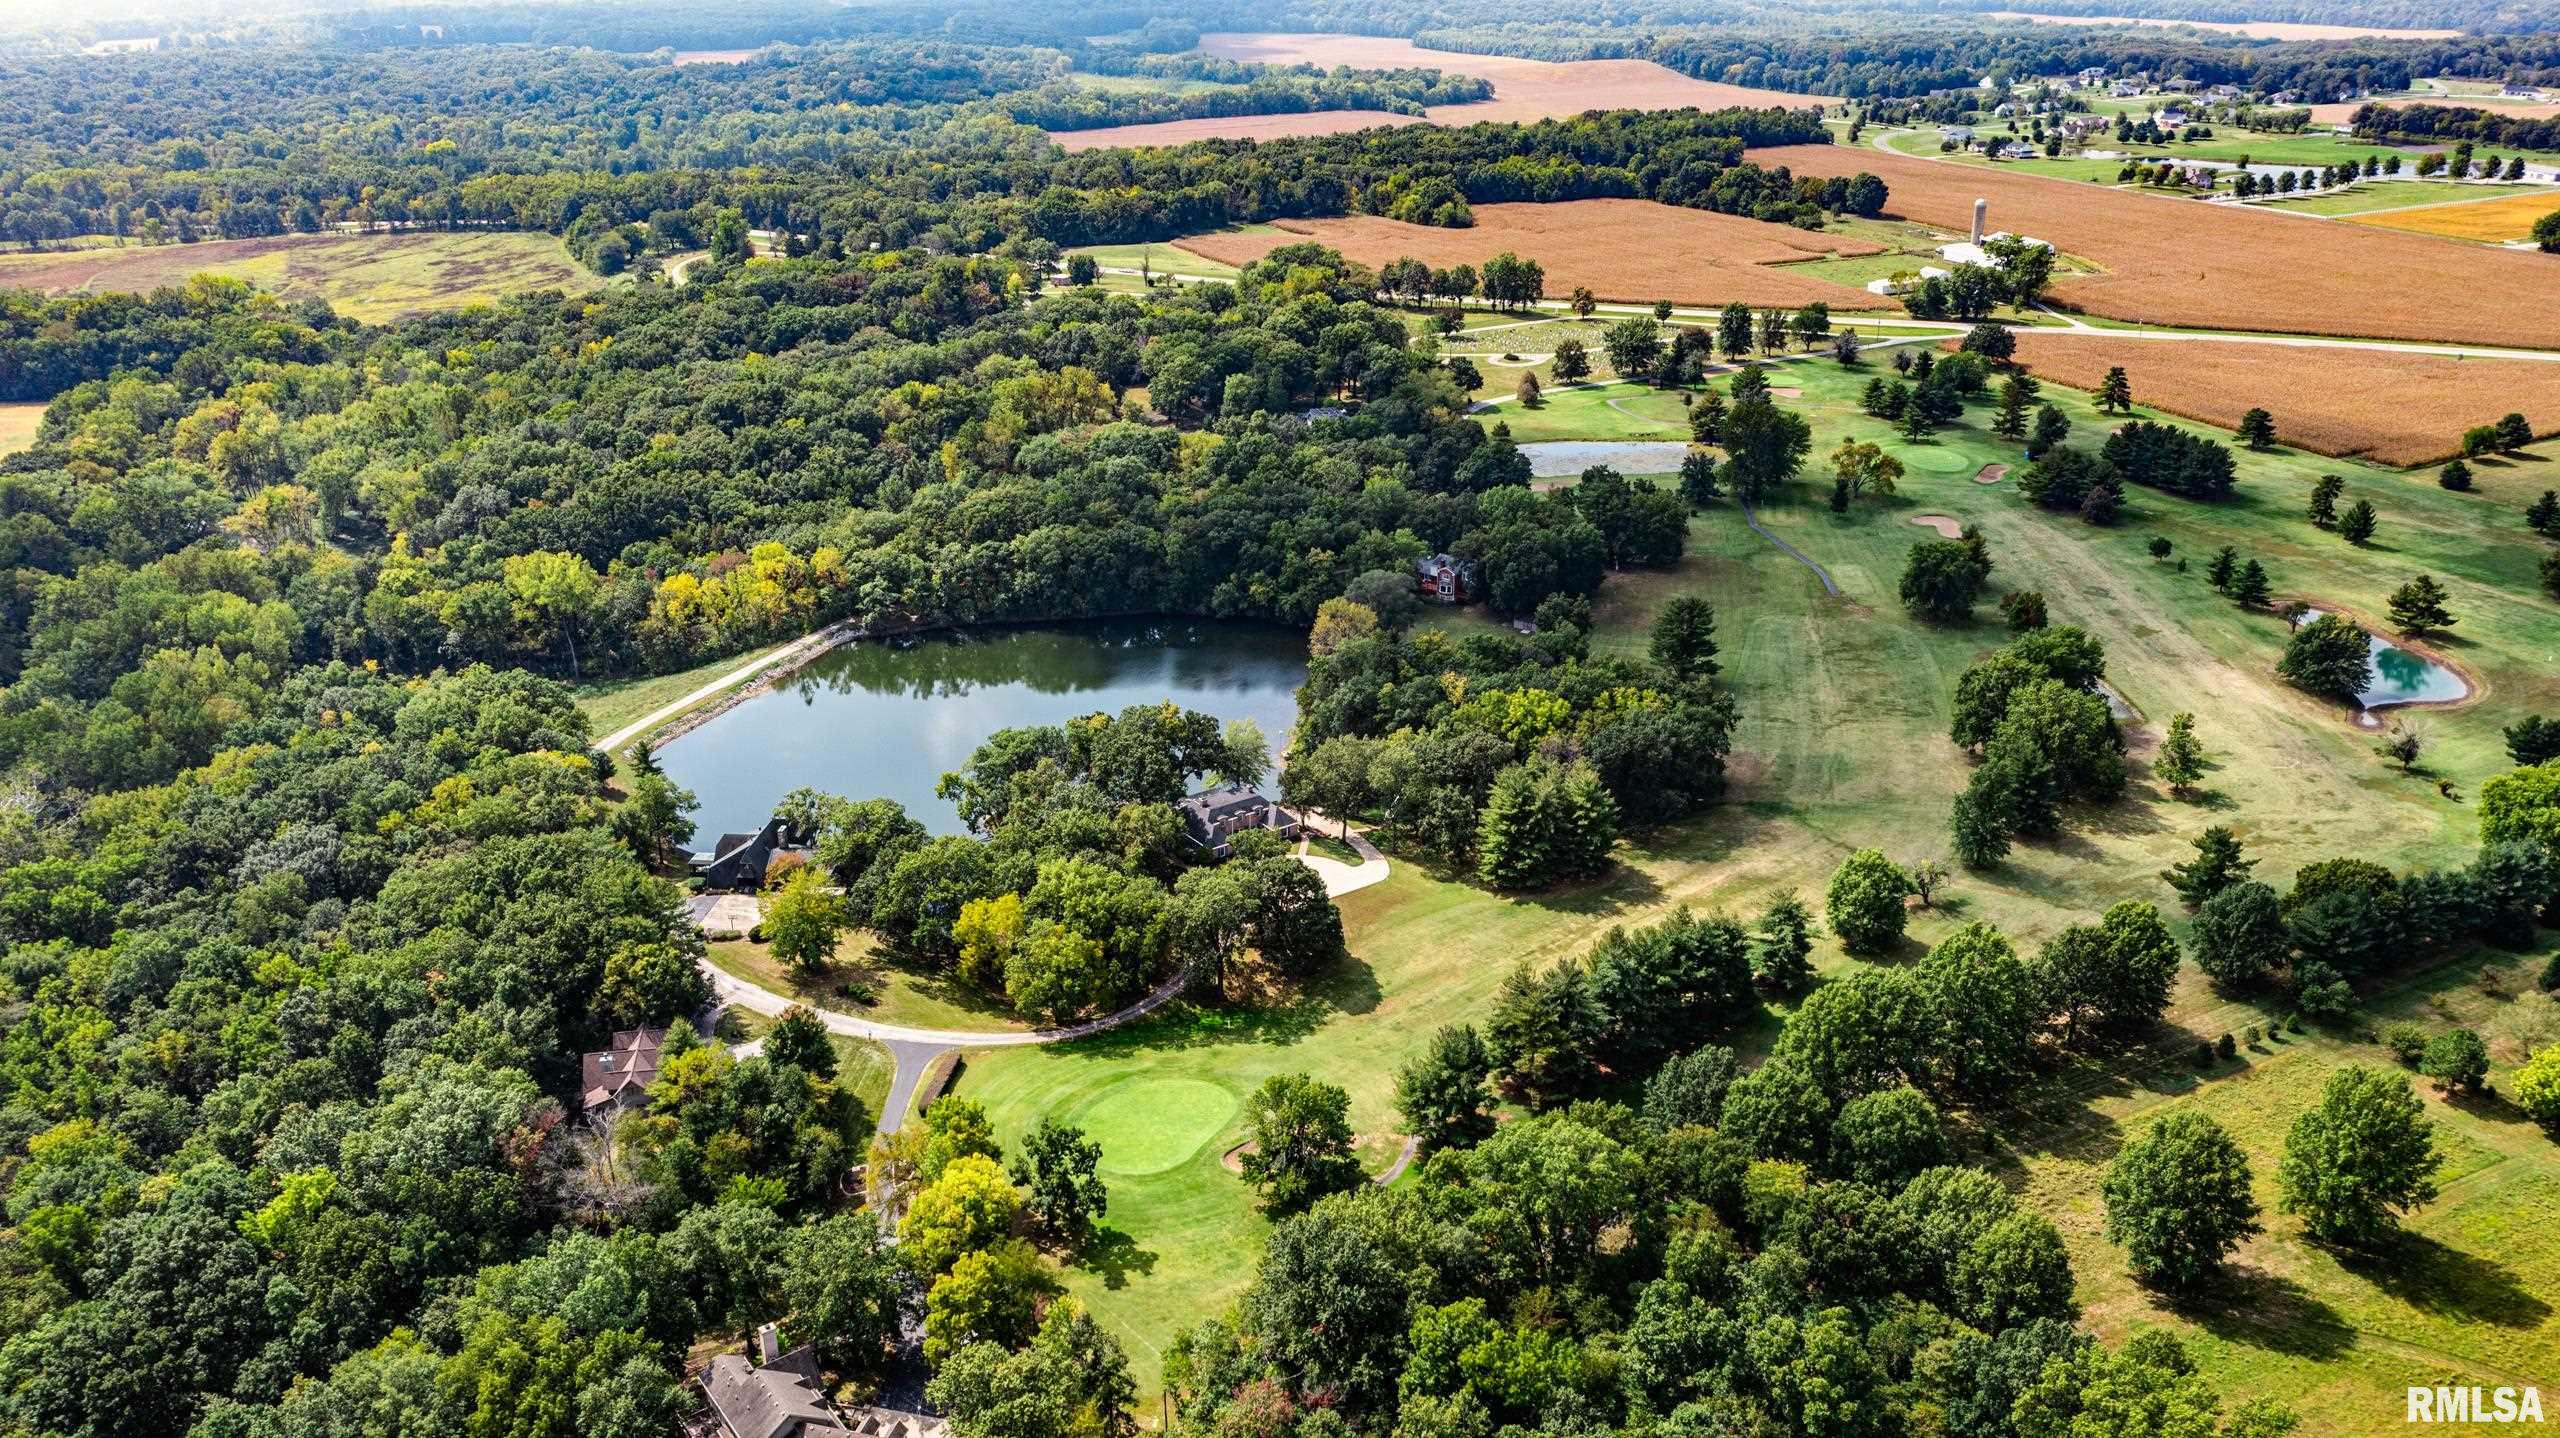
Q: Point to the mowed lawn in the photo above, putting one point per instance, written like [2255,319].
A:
[376,278]
[1841,745]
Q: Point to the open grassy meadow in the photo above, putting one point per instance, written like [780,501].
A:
[1842,745]
[2366,196]
[18,424]
[377,278]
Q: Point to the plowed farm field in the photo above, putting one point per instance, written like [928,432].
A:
[2392,406]
[2185,262]
[1619,249]
[1522,90]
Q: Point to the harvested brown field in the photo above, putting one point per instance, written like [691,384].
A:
[2255,29]
[2185,262]
[1620,249]
[2488,222]
[2345,110]
[1522,90]
[2393,406]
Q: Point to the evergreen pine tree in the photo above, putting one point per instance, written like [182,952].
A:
[2251,588]
[2357,524]
[2225,564]
[2324,501]
[2180,762]
[1785,939]
[2419,605]
[2115,393]
[2217,866]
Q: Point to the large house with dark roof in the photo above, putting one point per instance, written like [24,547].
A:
[784,1397]
[1446,579]
[620,1075]
[1213,817]
[738,861]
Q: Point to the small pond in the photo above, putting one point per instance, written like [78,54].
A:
[886,719]
[2399,676]
[1568,458]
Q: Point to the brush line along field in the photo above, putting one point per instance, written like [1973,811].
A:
[1619,249]
[2387,405]
[2220,266]
[1522,90]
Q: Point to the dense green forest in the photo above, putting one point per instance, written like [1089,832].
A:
[624,158]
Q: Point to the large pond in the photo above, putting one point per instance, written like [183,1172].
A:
[889,718]
[1568,458]
[2398,676]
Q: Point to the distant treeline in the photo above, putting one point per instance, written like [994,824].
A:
[623,158]
[2454,123]
[1244,90]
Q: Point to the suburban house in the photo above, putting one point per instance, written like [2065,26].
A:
[2172,119]
[1213,817]
[2125,89]
[781,1398]
[737,861]
[1959,134]
[2092,76]
[1446,578]
[2078,125]
[619,1077]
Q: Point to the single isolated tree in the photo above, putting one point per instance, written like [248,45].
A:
[2324,501]
[1057,1168]
[2363,1155]
[1782,942]
[2455,475]
[2115,392]
[1301,1142]
[2457,1060]
[2358,523]
[1864,902]
[2180,761]
[2251,587]
[2419,606]
[2217,866]
[2330,656]
[2178,1200]
[2224,567]
[1684,637]
[1444,1092]
[2258,429]
[1528,393]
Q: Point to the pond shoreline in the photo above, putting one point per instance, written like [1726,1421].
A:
[765,681]
[2360,714]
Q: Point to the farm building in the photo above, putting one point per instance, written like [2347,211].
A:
[1213,817]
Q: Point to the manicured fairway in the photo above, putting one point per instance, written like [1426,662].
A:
[1841,744]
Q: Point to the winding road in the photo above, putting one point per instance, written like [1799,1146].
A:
[912,1050]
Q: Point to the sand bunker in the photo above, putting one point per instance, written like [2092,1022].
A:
[1992,474]
[1940,523]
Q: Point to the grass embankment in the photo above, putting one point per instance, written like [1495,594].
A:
[2366,196]
[1842,744]
[377,278]
[610,704]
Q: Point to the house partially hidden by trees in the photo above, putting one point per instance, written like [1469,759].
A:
[1213,817]
[738,861]
[620,1075]
[782,1397]
[1446,579]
